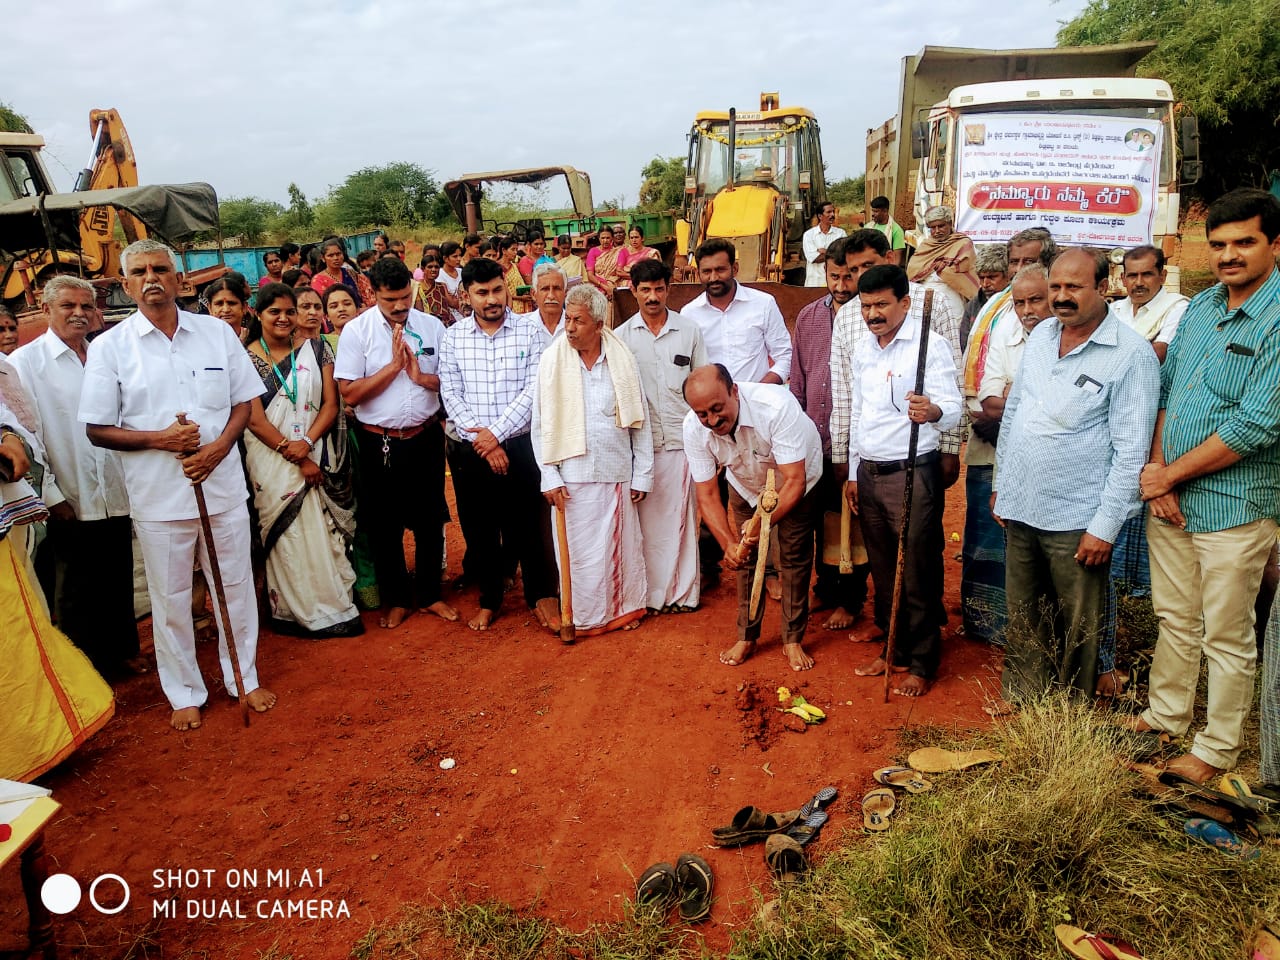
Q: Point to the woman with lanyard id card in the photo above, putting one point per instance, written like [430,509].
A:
[304,530]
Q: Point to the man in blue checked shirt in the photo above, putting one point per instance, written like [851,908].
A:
[1077,428]
[1213,484]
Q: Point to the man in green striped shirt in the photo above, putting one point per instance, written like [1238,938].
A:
[1213,484]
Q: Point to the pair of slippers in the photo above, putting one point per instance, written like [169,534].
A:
[751,824]
[689,883]
[784,852]
[878,805]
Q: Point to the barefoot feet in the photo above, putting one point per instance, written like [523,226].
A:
[187,718]
[796,656]
[547,610]
[738,654]
[260,700]
[483,619]
[840,619]
[910,685]
[393,617]
[876,669]
[443,611]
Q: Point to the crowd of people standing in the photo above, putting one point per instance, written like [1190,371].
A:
[625,456]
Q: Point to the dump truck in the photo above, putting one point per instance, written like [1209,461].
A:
[756,179]
[1067,138]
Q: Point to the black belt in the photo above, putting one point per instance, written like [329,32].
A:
[880,468]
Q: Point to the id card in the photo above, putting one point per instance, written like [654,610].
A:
[295,431]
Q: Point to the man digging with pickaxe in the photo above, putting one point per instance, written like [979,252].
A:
[757,432]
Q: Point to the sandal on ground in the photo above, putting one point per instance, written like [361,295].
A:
[877,806]
[1234,785]
[1094,946]
[937,760]
[1216,835]
[751,824]
[819,801]
[695,883]
[657,887]
[806,831]
[785,858]
[904,778]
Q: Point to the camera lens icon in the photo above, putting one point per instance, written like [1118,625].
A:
[61,893]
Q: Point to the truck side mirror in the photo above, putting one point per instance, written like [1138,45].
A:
[1189,134]
[919,140]
[1191,172]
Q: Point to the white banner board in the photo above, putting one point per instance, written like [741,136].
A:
[1088,180]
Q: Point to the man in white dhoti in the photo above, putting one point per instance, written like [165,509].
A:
[666,348]
[139,376]
[593,443]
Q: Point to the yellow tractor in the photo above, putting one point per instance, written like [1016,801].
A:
[97,253]
[757,180]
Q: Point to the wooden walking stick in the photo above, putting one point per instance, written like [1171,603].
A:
[568,633]
[219,592]
[900,569]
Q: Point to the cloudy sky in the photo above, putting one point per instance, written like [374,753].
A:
[250,94]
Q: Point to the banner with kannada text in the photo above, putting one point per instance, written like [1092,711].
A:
[1088,180]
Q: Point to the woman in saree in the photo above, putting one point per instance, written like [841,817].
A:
[602,264]
[305,508]
[340,307]
[336,271]
[433,296]
[633,253]
[945,261]
[311,318]
[228,303]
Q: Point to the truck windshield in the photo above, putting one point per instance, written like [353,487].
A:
[766,152]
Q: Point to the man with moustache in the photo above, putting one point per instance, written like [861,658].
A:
[548,296]
[667,347]
[157,367]
[883,411]
[810,383]
[89,531]
[1077,428]
[386,369]
[1149,308]
[488,366]
[1213,483]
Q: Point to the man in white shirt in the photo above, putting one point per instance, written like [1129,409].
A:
[89,531]
[884,408]
[815,243]
[142,378]
[1150,309]
[592,440]
[666,347]
[750,429]
[386,368]
[488,365]
[742,328]
[549,285]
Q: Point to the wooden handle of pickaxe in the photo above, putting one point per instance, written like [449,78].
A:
[219,593]
[568,633]
[846,523]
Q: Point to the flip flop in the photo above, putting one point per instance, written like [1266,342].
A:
[1234,785]
[1216,835]
[904,778]
[785,857]
[937,760]
[1094,946]
[657,887]
[751,824]
[693,875]
[806,831]
[819,801]
[876,809]
[1145,745]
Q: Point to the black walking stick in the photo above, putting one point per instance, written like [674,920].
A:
[900,570]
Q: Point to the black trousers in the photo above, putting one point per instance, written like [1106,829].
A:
[504,519]
[403,491]
[918,641]
[836,589]
[95,602]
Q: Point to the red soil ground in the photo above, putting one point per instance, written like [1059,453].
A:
[576,768]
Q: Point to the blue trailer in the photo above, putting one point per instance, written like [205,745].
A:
[248,260]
